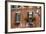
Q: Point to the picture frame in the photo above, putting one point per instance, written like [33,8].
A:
[9,6]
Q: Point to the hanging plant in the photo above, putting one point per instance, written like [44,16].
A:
[27,19]
[33,19]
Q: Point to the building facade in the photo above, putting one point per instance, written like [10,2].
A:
[25,16]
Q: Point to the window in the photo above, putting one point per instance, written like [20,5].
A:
[17,17]
[15,7]
[30,14]
[19,6]
[30,17]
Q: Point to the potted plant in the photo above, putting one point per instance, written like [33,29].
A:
[33,19]
[27,19]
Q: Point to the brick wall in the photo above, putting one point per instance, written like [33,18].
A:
[23,23]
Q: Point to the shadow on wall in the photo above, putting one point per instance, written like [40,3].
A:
[12,33]
[11,0]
